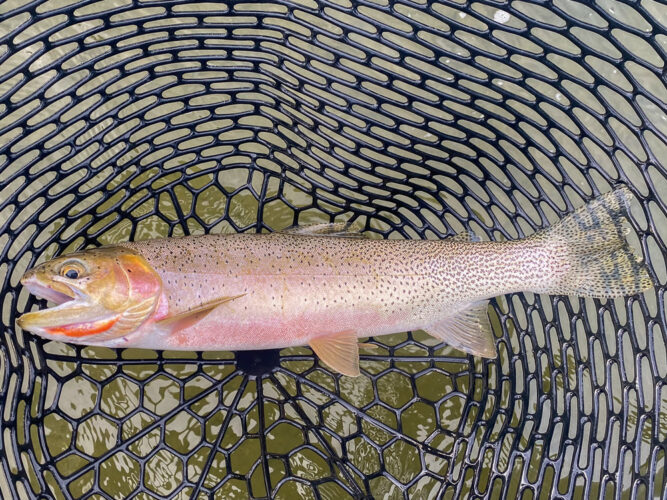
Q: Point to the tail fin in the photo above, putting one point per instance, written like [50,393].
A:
[600,262]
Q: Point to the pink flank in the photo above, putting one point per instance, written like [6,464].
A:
[300,287]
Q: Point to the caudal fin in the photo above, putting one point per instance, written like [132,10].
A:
[600,262]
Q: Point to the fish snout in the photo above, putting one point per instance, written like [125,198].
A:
[20,321]
[23,321]
[28,277]
[29,322]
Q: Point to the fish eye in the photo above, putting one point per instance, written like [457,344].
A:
[72,270]
[72,274]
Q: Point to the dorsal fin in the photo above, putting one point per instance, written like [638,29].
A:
[465,236]
[334,230]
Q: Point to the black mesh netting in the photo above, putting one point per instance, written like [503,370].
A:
[128,119]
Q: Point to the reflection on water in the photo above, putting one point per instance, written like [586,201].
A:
[58,433]
[120,397]
[164,473]
[183,432]
[451,411]
[119,475]
[357,391]
[402,461]
[308,464]
[96,435]
[78,397]
[161,395]
[419,421]
[293,489]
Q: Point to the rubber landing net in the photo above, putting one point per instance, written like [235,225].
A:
[124,119]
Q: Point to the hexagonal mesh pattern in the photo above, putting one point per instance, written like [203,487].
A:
[128,119]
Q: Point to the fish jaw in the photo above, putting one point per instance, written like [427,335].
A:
[73,316]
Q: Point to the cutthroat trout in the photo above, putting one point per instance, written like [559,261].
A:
[322,286]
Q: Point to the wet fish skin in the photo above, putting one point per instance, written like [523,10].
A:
[316,286]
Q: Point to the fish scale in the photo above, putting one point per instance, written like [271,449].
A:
[315,286]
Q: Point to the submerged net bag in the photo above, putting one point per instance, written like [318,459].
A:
[128,119]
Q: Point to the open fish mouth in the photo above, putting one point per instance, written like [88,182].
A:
[70,306]
[50,294]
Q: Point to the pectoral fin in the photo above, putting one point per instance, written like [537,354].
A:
[340,351]
[468,330]
[190,317]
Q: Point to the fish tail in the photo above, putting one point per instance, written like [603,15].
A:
[595,257]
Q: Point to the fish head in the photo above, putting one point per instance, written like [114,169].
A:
[99,294]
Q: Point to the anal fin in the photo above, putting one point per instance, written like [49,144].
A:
[190,317]
[468,330]
[340,351]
